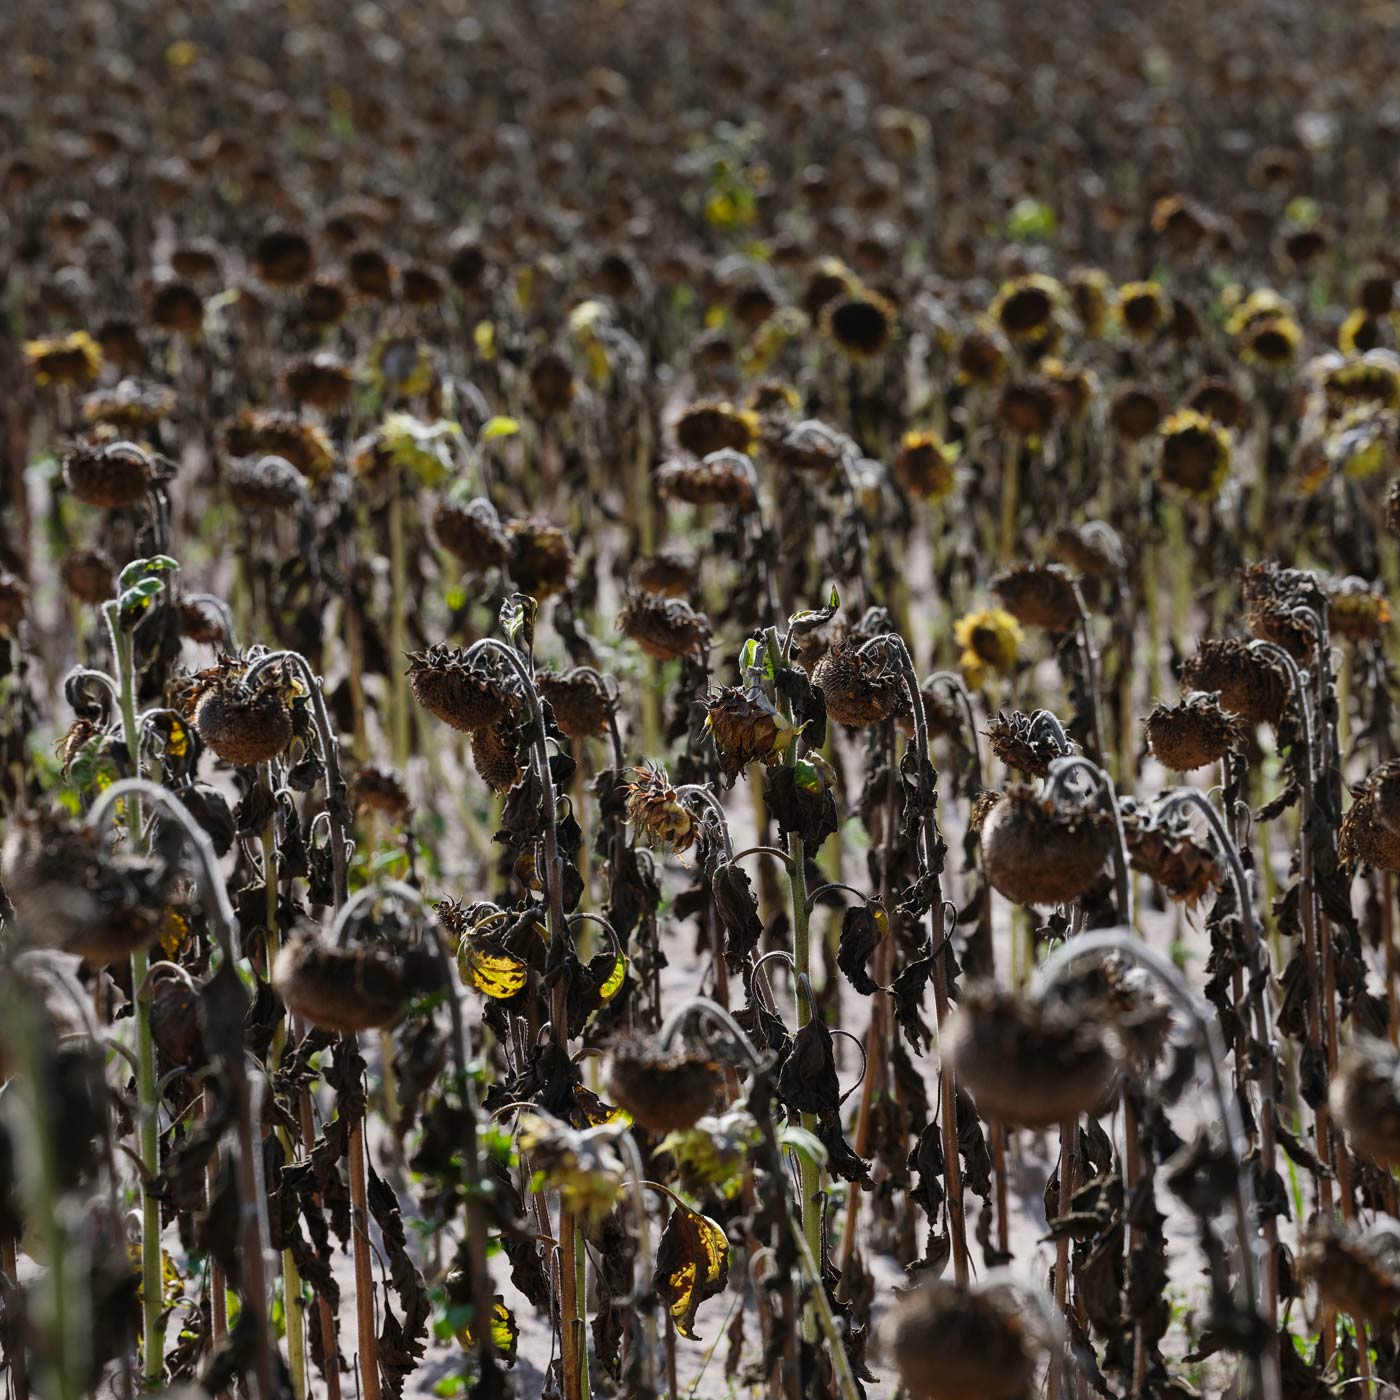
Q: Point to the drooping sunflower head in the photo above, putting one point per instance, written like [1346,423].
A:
[132,405]
[666,628]
[1028,407]
[861,323]
[1193,734]
[1091,294]
[1193,454]
[713,426]
[1144,310]
[655,810]
[925,465]
[981,358]
[1026,309]
[1038,595]
[1136,413]
[1357,610]
[1075,387]
[990,639]
[69,361]
[747,728]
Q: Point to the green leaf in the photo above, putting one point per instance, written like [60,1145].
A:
[806,1144]
[834,601]
[518,614]
[755,658]
[499,427]
[145,569]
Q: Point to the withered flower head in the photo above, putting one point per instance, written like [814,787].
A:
[1194,455]
[496,755]
[1037,852]
[1271,342]
[1143,309]
[810,447]
[1220,401]
[1091,294]
[1353,1274]
[552,383]
[72,360]
[1028,407]
[282,257]
[1357,610]
[746,728]
[655,810]
[1372,378]
[1025,744]
[1193,734]
[323,380]
[131,405]
[1093,548]
[1028,1064]
[201,623]
[471,532]
[111,475]
[1038,595]
[346,990]
[1025,308]
[668,572]
[1282,605]
[89,575]
[541,557]
[467,693]
[70,893]
[1135,413]
[1165,850]
[370,272]
[722,478]
[981,359]
[579,700]
[1074,387]
[1365,1097]
[244,724]
[924,465]
[859,689]
[270,433]
[1249,684]
[990,639]
[665,1091]
[951,1343]
[1370,834]
[711,426]
[378,789]
[666,628]
[861,322]
[265,484]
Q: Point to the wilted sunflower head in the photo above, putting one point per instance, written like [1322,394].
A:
[1093,548]
[1075,387]
[282,257]
[471,532]
[990,640]
[541,557]
[378,789]
[1370,832]
[666,1091]
[1028,407]
[861,323]
[552,383]
[110,475]
[981,358]
[666,628]
[69,361]
[954,1343]
[1164,848]
[269,433]
[1091,295]
[1193,455]
[1182,222]
[132,405]
[925,465]
[830,279]
[1025,743]
[1025,309]
[1143,309]
[1372,378]
[579,700]
[725,478]
[1357,610]
[1028,1064]
[859,688]
[496,755]
[1135,413]
[1220,401]
[712,426]
[668,572]
[245,724]
[1283,607]
[322,380]
[747,728]
[1250,684]
[1365,1098]
[1193,734]
[655,810]
[346,990]
[469,692]
[1035,851]
[1038,595]
[1352,1273]
[265,484]
[583,1165]
[89,575]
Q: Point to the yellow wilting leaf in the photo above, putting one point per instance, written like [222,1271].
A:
[174,930]
[177,743]
[692,1264]
[172,1283]
[593,1112]
[494,974]
[505,1333]
[615,979]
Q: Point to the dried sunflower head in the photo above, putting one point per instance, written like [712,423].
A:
[1028,1064]
[859,689]
[110,475]
[746,728]
[265,484]
[541,557]
[1193,734]
[1038,595]
[1193,455]
[1093,548]
[1135,413]
[1283,605]
[269,433]
[1220,401]
[244,724]
[1025,308]
[89,575]
[132,405]
[655,810]
[322,380]
[378,789]
[1165,850]
[722,478]
[70,361]
[1365,837]
[665,1091]
[666,628]
[713,426]
[579,700]
[1353,1274]
[1028,407]
[669,572]
[925,465]
[471,532]
[496,755]
[1365,1097]
[1357,610]
[1023,743]
[861,323]
[1037,852]
[1143,309]
[1250,684]
[346,990]
[467,692]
